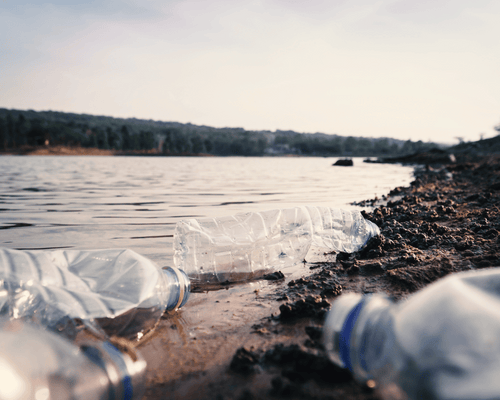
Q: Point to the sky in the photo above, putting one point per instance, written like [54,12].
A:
[420,70]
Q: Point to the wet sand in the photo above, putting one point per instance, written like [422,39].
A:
[447,221]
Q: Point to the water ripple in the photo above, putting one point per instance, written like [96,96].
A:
[135,202]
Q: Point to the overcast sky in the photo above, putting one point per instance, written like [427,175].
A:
[407,69]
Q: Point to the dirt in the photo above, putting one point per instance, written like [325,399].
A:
[447,221]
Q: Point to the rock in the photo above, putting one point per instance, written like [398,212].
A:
[347,162]
[244,361]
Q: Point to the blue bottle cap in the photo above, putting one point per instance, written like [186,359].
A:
[338,326]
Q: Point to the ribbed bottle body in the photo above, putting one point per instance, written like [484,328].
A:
[121,291]
[248,245]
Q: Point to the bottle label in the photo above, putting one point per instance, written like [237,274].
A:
[345,335]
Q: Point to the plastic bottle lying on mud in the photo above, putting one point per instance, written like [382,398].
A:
[441,343]
[37,364]
[249,245]
[116,291]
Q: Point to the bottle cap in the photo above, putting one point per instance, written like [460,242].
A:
[337,321]
[125,368]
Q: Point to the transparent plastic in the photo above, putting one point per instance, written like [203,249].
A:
[440,343]
[116,291]
[38,364]
[249,245]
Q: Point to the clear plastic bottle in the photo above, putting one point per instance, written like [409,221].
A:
[440,343]
[116,290]
[248,245]
[36,364]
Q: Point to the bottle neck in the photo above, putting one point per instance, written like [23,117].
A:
[345,335]
[179,288]
[126,373]
[357,332]
[336,332]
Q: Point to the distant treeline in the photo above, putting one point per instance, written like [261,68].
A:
[20,128]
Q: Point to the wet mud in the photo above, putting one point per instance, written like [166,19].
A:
[447,221]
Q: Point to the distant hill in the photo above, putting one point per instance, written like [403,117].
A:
[38,128]
[463,152]
[481,147]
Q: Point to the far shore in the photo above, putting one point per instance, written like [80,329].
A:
[62,150]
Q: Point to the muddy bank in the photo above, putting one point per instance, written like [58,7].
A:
[447,221]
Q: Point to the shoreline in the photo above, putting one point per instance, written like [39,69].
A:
[446,221]
[63,150]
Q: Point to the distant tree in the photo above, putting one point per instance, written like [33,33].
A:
[350,145]
[237,148]
[261,145]
[208,145]
[173,137]
[497,128]
[58,132]
[90,139]
[36,133]
[183,144]
[197,144]
[408,147]
[281,139]
[365,146]
[101,139]
[3,133]
[420,146]
[333,146]
[126,141]
[165,147]
[11,139]
[381,146]
[304,146]
[146,140]
[21,129]
[246,144]
[136,143]
[179,142]
[113,138]
[167,142]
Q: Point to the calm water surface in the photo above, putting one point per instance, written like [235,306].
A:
[134,202]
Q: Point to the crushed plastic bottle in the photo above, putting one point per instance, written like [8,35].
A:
[249,245]
[38,364]
[440,343]
[116,291]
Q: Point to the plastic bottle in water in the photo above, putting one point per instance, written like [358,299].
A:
[441,343]
[36,364]
[116,291]
[248,245]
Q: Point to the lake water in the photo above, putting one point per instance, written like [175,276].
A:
[51,202]
[83,202]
